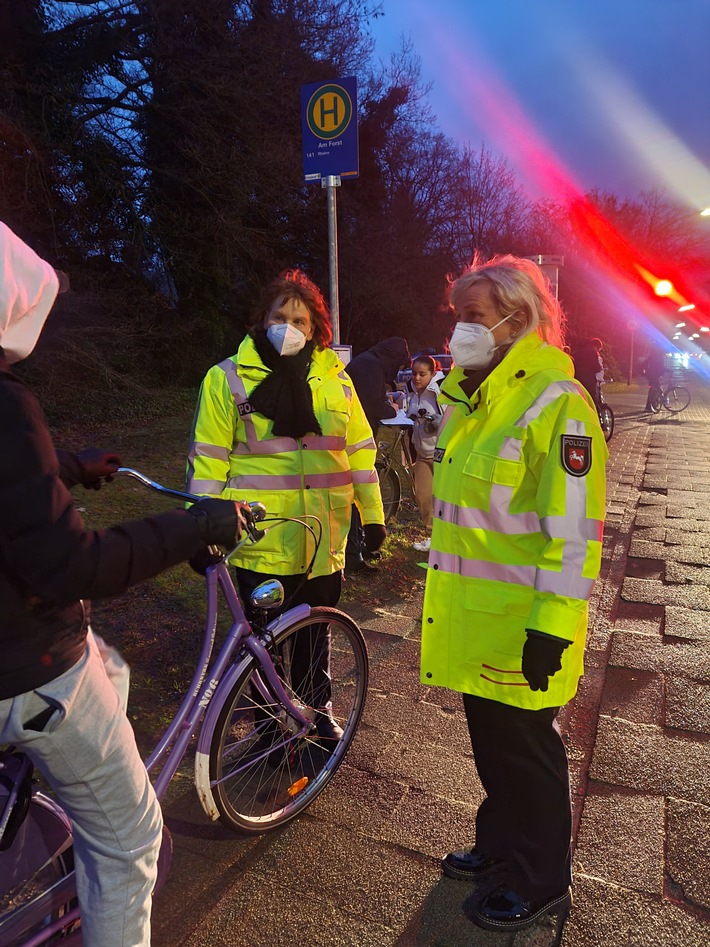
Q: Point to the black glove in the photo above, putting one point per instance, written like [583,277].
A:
[96,465]
[204,558]
[542,658]
[375,535]
[220,521]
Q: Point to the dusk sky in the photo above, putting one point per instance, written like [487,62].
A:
[613,94]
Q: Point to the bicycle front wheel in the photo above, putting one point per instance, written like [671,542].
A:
[676,399]
[606,419]
[262,773]
[391,490]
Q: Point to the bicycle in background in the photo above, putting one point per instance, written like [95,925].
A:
[606,415]
[393,458]
[672,397]
[259,759]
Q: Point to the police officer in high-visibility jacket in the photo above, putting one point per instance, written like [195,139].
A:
[519,499]
[280,423]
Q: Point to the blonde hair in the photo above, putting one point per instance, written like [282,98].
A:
[518,285]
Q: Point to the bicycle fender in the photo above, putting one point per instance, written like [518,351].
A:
[224,688]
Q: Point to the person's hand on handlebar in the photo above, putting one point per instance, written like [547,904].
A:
[96,465]
[221,522]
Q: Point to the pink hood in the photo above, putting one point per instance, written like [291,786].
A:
[28,288]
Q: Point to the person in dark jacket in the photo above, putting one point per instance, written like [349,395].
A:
[588,366]
[374,374]
[56,701]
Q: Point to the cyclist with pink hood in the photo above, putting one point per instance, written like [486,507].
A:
[56,701]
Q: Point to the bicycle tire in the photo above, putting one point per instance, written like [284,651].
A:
[391,490]
[655,400]
[260,776]
[676,398]
[606,419]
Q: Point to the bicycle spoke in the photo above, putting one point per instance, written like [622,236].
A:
[264,769]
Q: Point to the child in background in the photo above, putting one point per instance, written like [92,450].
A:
[423,408]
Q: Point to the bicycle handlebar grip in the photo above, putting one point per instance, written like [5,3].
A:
[258,510]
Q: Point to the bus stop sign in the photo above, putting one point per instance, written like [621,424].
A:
[329,128]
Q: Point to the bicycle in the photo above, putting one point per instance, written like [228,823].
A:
[258,759]
[606,416]
[398,454]
[673,398]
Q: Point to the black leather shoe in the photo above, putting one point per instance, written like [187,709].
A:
[504,910]
[371,555]
[468,865]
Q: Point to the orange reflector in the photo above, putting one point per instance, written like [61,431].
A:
[298,786]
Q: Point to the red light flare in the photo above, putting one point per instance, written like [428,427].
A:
[480,92]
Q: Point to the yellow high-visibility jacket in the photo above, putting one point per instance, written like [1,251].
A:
[519,502]
[235,455]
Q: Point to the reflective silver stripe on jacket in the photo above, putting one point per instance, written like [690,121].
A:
[315,481]
[550,394]
[365,476]
[204,450]
[569,580]
[368,444]
[498,520]
[205,486]
[481,569]
[272,445]
[265,482]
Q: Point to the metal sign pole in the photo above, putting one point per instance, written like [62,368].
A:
[330,182]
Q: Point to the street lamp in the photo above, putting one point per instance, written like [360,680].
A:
[686,308]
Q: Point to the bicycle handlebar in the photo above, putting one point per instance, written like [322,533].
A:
[258,510]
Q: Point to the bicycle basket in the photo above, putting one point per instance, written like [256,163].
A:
[15,792]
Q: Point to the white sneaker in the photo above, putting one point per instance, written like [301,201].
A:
[423,546]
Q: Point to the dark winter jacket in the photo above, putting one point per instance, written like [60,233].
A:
[49,561]
[372,371]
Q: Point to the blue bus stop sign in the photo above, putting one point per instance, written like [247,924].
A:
[329,125]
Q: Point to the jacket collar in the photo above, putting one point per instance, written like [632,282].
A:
[323,363]
[527,357]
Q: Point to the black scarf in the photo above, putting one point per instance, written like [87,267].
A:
[284,395]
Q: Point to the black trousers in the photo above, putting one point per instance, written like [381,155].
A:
[526,817]
[310,657]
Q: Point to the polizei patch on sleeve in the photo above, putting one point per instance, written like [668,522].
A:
[576,455]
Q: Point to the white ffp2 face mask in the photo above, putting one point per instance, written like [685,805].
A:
[472,345]
[286,339]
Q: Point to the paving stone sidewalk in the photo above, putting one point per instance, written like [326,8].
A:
[361,867]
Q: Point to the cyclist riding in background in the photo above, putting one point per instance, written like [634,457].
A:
[56,701]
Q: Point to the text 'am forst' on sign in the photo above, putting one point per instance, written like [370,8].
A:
[329,128]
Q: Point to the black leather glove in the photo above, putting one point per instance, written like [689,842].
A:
[220,521]
[203,558]
[96,465]
[542,659]
[375,535]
